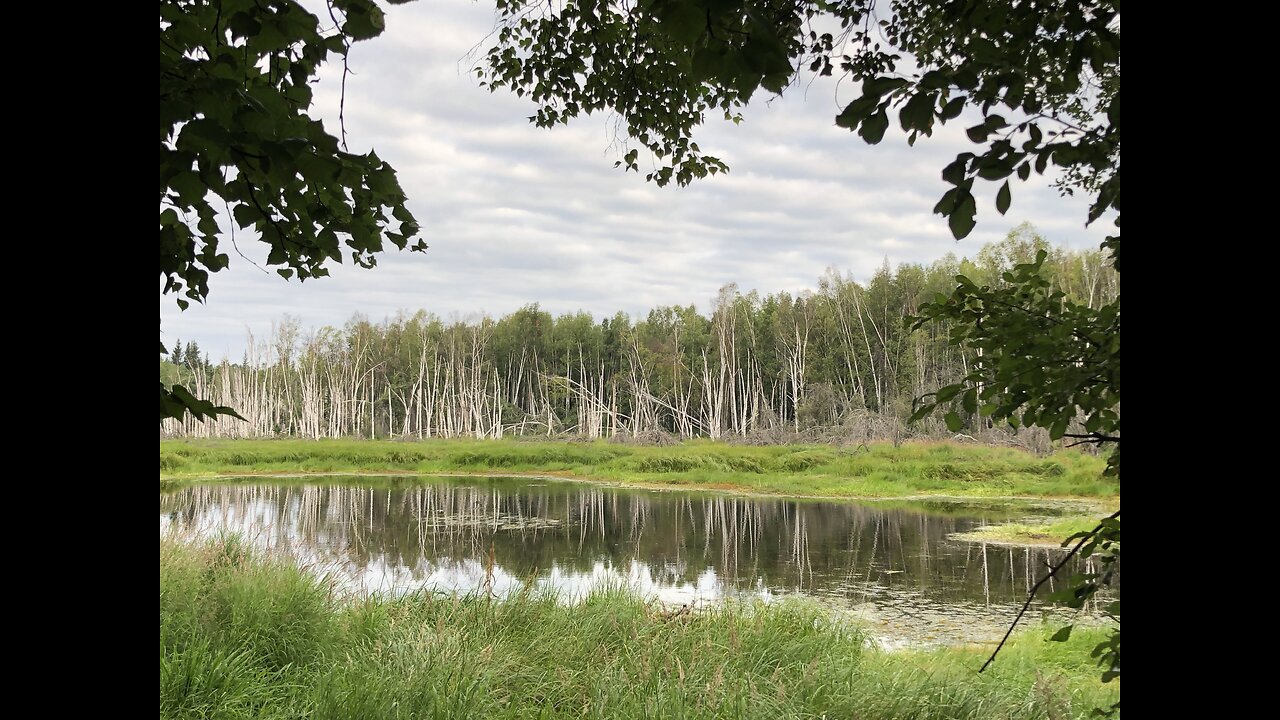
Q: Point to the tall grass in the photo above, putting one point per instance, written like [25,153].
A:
[800,470]
[249,637]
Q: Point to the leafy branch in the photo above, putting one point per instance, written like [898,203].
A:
[235,88]
[1053,571]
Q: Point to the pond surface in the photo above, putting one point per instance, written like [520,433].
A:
[892,566]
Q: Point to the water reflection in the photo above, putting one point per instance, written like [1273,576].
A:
[894,567]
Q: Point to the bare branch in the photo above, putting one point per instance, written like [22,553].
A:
[1035,588]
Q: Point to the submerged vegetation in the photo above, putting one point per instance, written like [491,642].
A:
[875,470]
[1049,532]
[245,636]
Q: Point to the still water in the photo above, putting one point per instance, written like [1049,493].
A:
[894,567]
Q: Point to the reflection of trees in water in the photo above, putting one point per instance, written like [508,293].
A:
[787,546]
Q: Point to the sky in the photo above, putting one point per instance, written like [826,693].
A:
[516,214]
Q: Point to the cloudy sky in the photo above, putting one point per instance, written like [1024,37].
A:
[515,214]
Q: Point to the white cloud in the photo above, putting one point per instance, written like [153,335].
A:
[517,214]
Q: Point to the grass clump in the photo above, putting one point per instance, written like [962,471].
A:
[171,462]
[806,459]
[244,636]
[663,464]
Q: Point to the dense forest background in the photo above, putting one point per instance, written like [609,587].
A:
[841,364]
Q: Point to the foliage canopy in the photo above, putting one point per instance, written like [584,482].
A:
[235,134]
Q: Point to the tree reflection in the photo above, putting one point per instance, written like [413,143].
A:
[503,534]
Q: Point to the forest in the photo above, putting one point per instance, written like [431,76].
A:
[843,363]
[889,494]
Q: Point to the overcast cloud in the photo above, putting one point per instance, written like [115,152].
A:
[515,214]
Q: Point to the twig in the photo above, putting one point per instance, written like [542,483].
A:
[233,238]
[342,99]
[1031,595]
[1094,437]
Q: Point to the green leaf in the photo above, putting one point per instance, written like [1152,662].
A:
[921,413]
[685,22]
[947,204]
[873,127]
[949,392]
[1062,635]
[934,80]
[952,109]
[880,85]
[224,410]
[955,171]
[1042,161]
[706,64]
[1003,198]
[364,22]
[962,218]
[856,111]
[954,423]
[1059,428]
[245,215]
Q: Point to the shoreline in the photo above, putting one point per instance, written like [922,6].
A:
[920,473]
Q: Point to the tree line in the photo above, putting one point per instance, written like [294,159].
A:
[844,361]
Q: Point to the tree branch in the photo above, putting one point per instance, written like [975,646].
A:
[1094,437]
[342,97]
[1035,588]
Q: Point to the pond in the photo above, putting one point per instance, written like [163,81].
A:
[893,566]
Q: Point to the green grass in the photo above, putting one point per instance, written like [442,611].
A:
[245,637]
[875,471]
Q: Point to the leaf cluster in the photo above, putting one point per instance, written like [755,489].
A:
[661,65]
[236,139]
[1043,359]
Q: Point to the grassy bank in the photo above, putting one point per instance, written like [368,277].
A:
[242,637]
[874,471]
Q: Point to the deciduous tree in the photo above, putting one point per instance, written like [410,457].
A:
[236,137]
